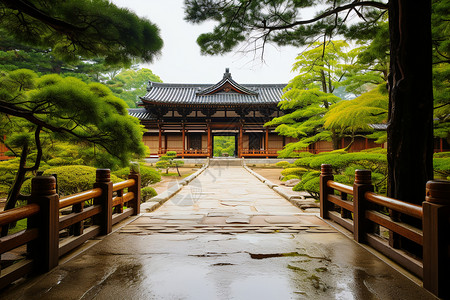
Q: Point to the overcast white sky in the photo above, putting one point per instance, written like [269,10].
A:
[181,61]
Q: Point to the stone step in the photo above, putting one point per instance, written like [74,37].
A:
[225,162]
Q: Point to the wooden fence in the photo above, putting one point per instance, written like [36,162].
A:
[366,214]
[45,222]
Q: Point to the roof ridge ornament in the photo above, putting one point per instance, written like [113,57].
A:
[227,84]
[227,74]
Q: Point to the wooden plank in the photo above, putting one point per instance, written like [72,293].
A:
[16,271]
[19,213]
[72,242]
[348,205]
[336,217]
[413,265]
[17,239]
[409,209]
[73,218]
[116,218]
[402,229]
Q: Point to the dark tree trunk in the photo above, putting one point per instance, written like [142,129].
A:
[410,125]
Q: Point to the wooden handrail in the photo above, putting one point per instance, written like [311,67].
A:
[123,184]
[19,213]
[80,197]
[412,210]
[340,187]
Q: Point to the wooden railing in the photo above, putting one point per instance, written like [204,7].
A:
[181,152]
[366,212]
[258,152]
[46,224]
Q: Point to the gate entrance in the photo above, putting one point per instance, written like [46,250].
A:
[225,145]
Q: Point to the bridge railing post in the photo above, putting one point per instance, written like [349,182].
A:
[45,249]
[325,175]
[362,184]
[136,190]
[103,182]
[436,238]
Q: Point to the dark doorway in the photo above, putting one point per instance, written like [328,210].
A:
[254,141]
[195,141]
[224,145]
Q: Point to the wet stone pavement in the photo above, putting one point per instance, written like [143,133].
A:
[226,235]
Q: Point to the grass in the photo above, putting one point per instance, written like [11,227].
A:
[20,225]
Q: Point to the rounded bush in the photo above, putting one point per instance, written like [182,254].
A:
[71,179]
[283,164]
[148,175]
[147,193]
[293,171]
[289,177]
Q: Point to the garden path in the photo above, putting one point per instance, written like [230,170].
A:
[226,235]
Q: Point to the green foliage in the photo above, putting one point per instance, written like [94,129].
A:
[147,193]
[148,175]
[224,144]
[168,161]
[71,179]
[283,164]
[71,110]
[289,177]
[344,165]
[131,84]
[356,115]
[294,171]
[87,28]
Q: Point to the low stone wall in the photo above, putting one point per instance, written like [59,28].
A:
[160,199]
[297,200]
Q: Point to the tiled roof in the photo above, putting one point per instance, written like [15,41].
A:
[141,113]
[213,94]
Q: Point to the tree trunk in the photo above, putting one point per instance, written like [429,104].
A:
[14,192]
[410,124]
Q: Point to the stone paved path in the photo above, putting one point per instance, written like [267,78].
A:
[224,236]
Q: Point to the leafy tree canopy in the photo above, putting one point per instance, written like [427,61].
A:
[87,28]
[278,21]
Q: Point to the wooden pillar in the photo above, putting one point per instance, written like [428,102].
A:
[159,139]
[436,232]
[362,184]
[266,142]
[210,154]
[45,249]
[103,181]
[183,136]
[241,142]
[325,175]
[136,190]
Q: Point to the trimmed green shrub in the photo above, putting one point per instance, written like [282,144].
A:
[148,175]
[283,164]
[71,179]
[289,177]
[293,171]
[147,193]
